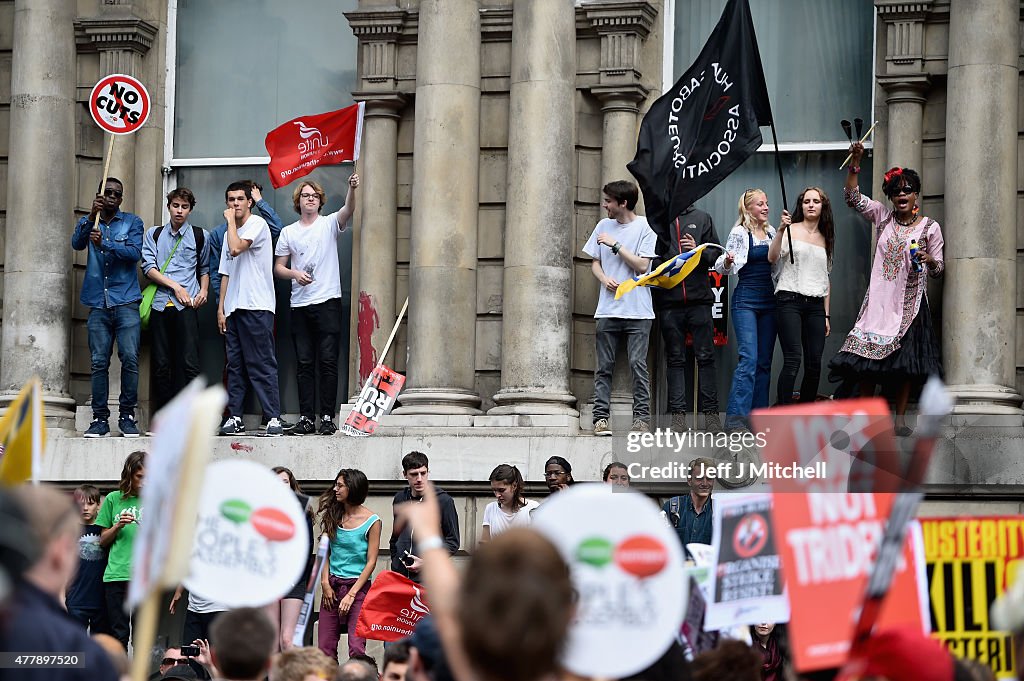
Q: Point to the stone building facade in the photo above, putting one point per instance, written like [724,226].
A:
[490,127]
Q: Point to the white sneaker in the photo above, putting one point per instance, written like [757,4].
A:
[274,428]
[601,427]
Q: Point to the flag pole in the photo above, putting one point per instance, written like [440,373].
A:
[37,434]
[695,374]
[782,181]
[394,332]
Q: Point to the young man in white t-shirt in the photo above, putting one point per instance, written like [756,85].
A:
[622,246]
[245,312]
[307,253]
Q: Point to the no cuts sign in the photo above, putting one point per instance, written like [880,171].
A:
[119,104]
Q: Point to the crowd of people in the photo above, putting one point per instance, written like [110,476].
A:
[236,263]
[782,293]
[505,617]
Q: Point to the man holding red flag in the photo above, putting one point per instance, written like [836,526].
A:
[301,145]
[307,254]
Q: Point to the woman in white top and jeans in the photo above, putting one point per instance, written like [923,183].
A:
[802,292]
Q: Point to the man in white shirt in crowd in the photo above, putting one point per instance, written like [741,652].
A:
[307,254]
[622,246]
[245,313]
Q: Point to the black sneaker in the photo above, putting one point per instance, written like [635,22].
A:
[305,426]
[126,424]
[98,428]
[233,426]
[327,426]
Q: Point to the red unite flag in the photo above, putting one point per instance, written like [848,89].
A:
[301,145]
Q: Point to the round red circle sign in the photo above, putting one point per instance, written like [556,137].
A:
[119,104]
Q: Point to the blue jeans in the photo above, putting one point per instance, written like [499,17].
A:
[121,322]
[754,324]
[636,332]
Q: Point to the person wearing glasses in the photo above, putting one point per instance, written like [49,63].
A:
[111,292]
[307,254]
[893,339]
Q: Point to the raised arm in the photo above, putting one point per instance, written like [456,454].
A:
[856,154]
[439,575]
[349,209]
[267,211]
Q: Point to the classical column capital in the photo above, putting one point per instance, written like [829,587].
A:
[620,97]
[622,16]
[114,33]
[382,104]
[904,28]
[623,26]
[910,88]
[379,32]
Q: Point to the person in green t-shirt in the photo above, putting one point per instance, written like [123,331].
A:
[119,517]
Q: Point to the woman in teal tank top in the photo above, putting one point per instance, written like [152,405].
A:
[354,533]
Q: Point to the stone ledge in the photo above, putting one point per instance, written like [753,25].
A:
[972,459]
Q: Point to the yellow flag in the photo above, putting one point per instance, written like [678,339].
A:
[22,435]
[668,274]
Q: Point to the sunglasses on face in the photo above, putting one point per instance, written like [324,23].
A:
[905,189]
[173,661]
[112,193]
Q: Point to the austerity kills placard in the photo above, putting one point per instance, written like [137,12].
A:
[970,562]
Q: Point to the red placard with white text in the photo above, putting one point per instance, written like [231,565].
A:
[375,400]
[829,529]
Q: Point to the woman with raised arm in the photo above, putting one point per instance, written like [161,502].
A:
[802,291]
[893,337]
[753,306]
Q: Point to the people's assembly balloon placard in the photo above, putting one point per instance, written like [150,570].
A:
[251,537]
[627,567]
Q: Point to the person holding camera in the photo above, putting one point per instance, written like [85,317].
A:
[307,254]
[415,469]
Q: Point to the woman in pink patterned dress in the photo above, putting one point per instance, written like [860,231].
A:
[893,338]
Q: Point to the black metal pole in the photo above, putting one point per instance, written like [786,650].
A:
[782,181]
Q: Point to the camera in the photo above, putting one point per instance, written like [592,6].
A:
[190,651]
[407,559]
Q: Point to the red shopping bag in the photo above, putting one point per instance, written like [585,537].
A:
[393,606]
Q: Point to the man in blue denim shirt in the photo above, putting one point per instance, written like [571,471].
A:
[111,290]
[692,514]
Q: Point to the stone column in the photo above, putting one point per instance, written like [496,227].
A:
[375,301]
[905,96]
[443,250]
[536,327]
[374,240]
[37,254]
[979,312]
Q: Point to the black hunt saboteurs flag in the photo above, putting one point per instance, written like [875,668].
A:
[702,129]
